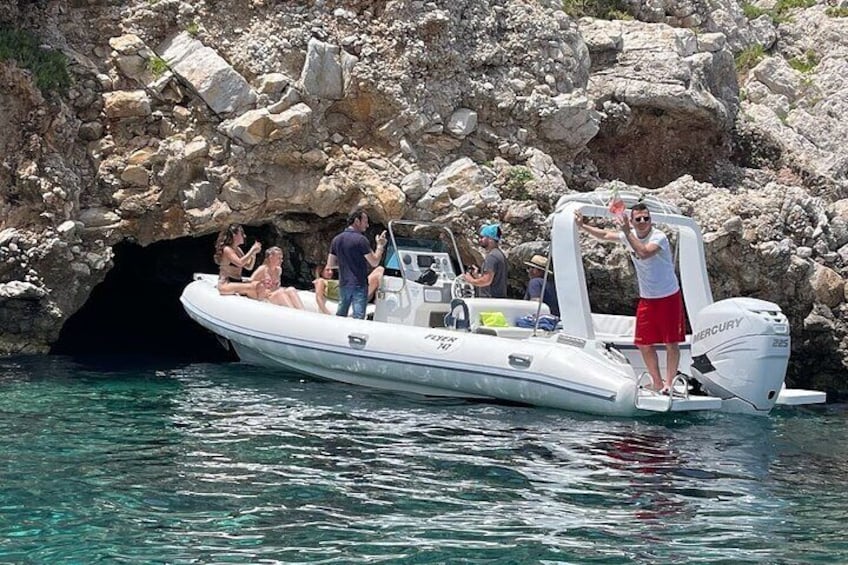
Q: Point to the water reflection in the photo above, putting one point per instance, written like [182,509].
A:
[216,463]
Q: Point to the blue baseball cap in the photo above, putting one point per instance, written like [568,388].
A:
[490,231]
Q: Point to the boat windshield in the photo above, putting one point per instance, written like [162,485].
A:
[413,244]
[416,246]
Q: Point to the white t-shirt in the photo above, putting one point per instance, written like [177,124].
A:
[656,273]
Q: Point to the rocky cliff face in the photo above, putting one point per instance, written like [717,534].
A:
[185,116]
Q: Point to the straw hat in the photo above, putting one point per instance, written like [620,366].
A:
[537,262]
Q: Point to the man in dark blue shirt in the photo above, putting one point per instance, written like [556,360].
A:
[536,267]
[351,253]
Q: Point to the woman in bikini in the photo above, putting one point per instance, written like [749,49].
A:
[231,260]
[325,288]
[268,275]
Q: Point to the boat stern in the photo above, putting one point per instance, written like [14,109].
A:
[740,352]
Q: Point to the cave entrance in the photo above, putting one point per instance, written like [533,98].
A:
[136,312]
[657,148]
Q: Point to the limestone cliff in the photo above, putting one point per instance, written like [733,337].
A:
[185,116]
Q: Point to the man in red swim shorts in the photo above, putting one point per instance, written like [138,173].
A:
[659,316]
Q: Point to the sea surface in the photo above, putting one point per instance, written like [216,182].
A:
[106,462]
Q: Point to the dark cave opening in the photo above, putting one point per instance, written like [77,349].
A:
[136,311]
[656,148]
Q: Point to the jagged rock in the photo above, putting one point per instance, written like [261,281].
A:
[828,286]
[127,44]
[779,78]
[261,126]
[698,83]
[322,71]
[460,177]
[196,148]
[142,156]
[462,122]
[208,74]
[21,290]
[315,158]
[98,217]
[290,188]
[181,114]
[90,131]
[661,83]
[801,114]
[415,185]
[135,175]
[126,104]
[240,194]
[435,201]
[519,212]
[290,122]
[272,83]
[815,322]
[252,127]
[199,195]
[546,175]
[289,98]
[135,67]
[569,119]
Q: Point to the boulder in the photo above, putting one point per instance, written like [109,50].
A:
[462,122]
[207,73]
[322,71]
[126,104]
[828,286]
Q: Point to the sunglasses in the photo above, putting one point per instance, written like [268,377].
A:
[641,219]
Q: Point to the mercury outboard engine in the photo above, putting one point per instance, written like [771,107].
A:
[740,351]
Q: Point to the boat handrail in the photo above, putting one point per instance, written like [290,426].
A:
[630,198]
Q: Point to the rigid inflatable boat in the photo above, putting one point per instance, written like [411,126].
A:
[425,334]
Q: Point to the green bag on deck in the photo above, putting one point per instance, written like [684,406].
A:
[493,319]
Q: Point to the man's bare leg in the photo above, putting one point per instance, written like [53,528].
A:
[672,360]
[374,281]
[652,363]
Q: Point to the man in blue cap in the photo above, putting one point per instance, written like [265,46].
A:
[492,280]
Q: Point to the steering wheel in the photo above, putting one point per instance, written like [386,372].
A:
[461,288]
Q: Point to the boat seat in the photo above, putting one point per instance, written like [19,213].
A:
[512,310]
[309,303]
[511,332]
[613,325]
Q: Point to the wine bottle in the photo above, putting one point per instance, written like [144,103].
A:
[616,204]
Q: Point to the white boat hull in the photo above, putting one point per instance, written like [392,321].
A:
[739,350]
[573,375]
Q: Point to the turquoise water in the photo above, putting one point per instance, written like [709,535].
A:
[232,464]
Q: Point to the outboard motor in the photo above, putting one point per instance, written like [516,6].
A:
[740,351]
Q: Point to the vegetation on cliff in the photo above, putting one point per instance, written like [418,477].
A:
[49,67]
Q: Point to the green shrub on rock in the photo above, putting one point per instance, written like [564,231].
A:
[516,182]
[748,58]
[49,67]
[602,9]
[806,63]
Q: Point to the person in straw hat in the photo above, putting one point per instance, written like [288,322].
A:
[536,267]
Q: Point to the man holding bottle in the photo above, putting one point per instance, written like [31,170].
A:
[351,253]
[659,316]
